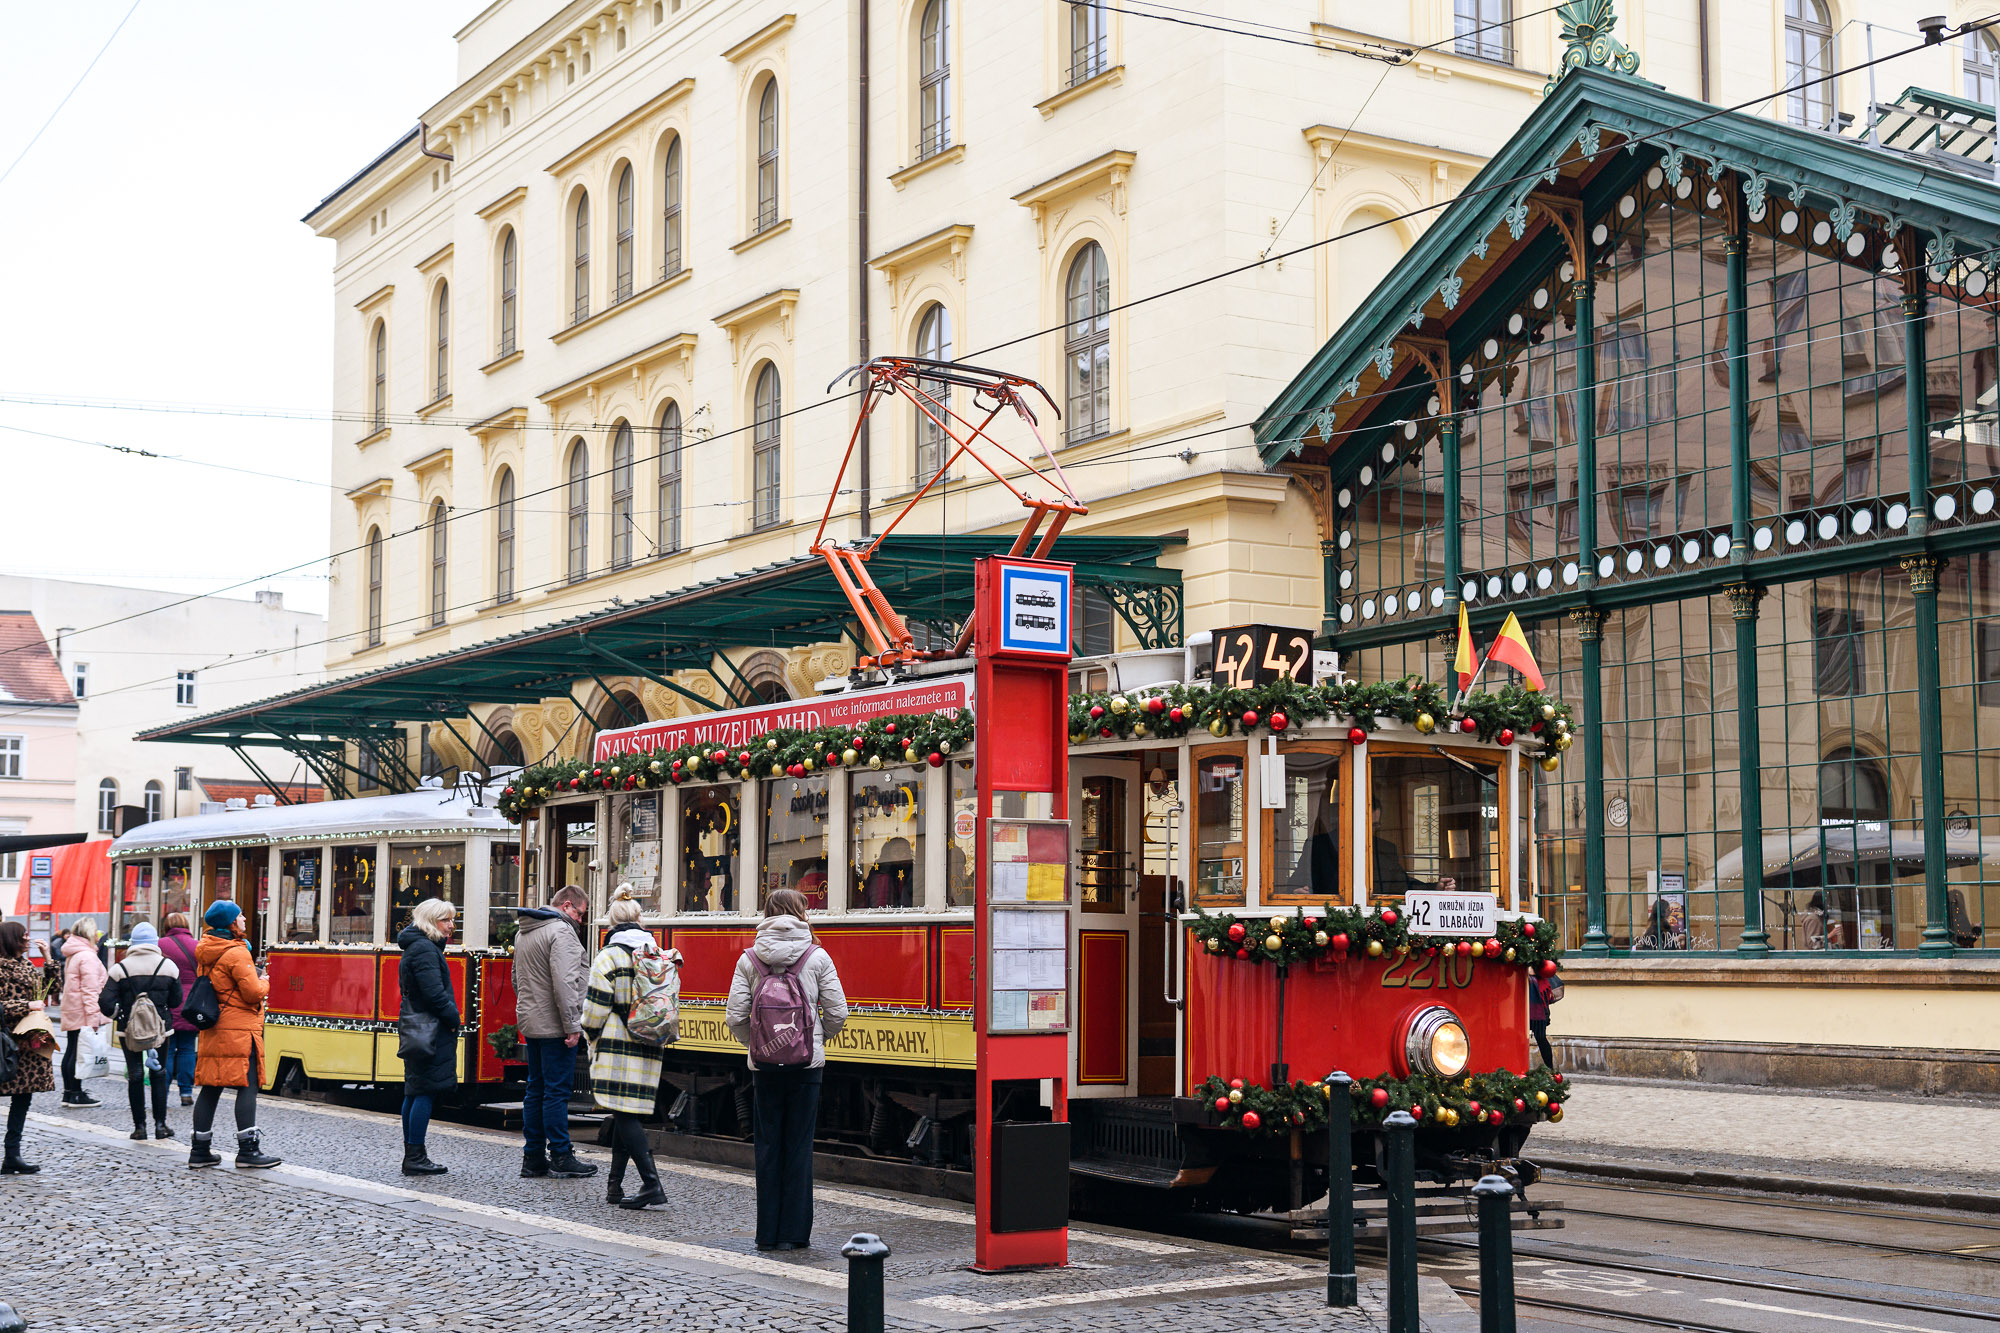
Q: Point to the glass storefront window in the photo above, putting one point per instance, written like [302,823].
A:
[353,891]
[504,892]
[138,901]
[1436,825]
[1306,829]
[1220,849]
[961,855]
[635,847]
[711,832]
[299,888]
[175,877]
[1104,854]
[424,870]
[885,812]
[795,812]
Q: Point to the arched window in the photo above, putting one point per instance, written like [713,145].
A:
[381,404]
[1089,45]
[509,303]
[764,442]
[1852,785]
[767,156]
[437,563]
[623,253]
[1087,347]
[107,805]
[503,539]
[621,497]
[443,341]
[934,80]
[934,342]
[670,479]
[156,800]
[1982,68]
[670,211]
[1484,29]
[579,512]
[1808,56]
[374,587]
[580,260]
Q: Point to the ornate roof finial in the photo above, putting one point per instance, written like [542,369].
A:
[1586,26]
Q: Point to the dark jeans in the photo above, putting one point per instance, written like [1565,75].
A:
[545,1106]
[630,1144]
[177,1060]
[135,1089]
[787,1112]
[17,1120]
[206,1100]
[71,1083]
[1541,1030]
[416,1117]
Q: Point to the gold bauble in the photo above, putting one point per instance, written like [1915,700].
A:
[910,756]
[874,761]
[1319,938]
[1277,923]
[1541,1099]
[1563,742]
[1402,951]
[1215,946]
[808,764]
[1119,703]
[1548,711]
[849,756]
[1272,942]
[1555,1114]
[1509,955]
[1426,723]
[1138,728]
[1374,948]
[777,770]
[770,745]
[1550,763]
[1218,728]
[1235,1096]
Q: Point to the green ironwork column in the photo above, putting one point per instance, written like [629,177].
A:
[1743,599]
[1923,572]
[1735,255]
[1590,634]
[1916,401]
[1454,520]
[1586,415]
[1329,565]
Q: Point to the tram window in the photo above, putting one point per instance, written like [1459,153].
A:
[711,830]
[1101,843]
[298,897]
[503,892]
[574,847]
[1219,838]
[1305,831]
[1435,824]
[353,891]
[635,847]
[961,887]
[139,901]
[795,811]
[424,870]
[218,879]
[886,837]
[253,889]
[175,874]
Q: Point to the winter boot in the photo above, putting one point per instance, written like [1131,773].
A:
[649,1177]
[534,1165]
[139,1131]
[12,1165]
[161,1130]
[417,1162]
[199,1154]
[614,1183]
[565,1164]
[248,1155]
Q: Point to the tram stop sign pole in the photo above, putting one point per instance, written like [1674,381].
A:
[1021,618]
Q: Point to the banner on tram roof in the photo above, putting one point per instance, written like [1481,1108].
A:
[743,725]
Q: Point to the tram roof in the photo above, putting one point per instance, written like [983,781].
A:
[439,811]
[789,603]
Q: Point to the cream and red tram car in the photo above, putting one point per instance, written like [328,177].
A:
[1183,844]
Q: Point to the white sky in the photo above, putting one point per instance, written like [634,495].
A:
[151,252]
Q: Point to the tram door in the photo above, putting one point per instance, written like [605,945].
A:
[1106,824]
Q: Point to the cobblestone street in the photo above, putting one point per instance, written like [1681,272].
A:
[337,1240]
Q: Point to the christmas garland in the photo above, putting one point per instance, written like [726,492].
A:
[1367,932]
[1495,1098]
[1514,712]
[911,738]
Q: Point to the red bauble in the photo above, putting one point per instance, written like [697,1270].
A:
[832,759]
[1236,1083]
[1279,721]
[1222,1105]
[1464,948]
[1556,1076]
[1249,717]
[934,759]
[1236,931]
[1528,929]
[597,772]
[1156,704]
[1473,1109]
[1506,735]
[1548,967]
[1432,951]
[743,758]
[1416,1110]
[508,792]
[1176,716]
[1251,1120]
[1388,916]
[1340,942]
[1535,727]
[1311,921]
[1242,953]
[679,777]
[891,728]
[1492,948]
[1356,736]
[576,784]
[1096,711]
[1468,726]
[1106,732]
[1379,1098]
[1520,1105]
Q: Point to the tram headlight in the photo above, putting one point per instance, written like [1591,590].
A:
[1437,1043]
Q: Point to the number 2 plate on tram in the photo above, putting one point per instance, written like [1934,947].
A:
[1450,913]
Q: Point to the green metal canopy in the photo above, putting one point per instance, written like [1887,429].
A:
[790,603]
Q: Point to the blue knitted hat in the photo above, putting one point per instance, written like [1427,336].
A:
[221,914]
[143,933]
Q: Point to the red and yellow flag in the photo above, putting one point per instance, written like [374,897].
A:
[1467,664]
[1511,647]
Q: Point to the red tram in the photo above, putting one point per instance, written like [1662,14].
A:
[1245,866]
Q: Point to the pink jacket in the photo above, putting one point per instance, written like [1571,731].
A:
[83,979]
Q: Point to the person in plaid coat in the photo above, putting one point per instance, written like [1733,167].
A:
[624,1071]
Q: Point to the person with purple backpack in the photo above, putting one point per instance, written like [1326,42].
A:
[784,1002]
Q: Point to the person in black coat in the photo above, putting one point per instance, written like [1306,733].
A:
[144,971]
[426,986]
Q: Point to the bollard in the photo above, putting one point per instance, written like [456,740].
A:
[1399,1136]
[10,1322]
[864,1252]
[1340,1283]
[1496,1254]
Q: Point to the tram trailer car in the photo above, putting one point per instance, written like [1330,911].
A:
[1177,839]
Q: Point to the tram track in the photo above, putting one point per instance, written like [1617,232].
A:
[1878,1246]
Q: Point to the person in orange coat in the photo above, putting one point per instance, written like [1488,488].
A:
[230,1054]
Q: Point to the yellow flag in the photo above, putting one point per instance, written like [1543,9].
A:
[1511,646]
[1468,658]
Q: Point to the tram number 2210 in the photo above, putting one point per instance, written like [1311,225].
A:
[1444,971]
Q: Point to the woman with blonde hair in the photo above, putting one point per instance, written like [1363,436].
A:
[427,1027]
[624,1071]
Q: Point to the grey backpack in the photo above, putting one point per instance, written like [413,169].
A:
[145,1029]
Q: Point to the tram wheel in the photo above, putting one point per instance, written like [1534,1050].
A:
[291,1080]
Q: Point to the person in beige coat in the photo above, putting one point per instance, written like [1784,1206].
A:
[550,975]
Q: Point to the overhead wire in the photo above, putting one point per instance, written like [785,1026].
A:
[36,137]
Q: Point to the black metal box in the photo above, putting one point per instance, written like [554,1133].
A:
[1030,1176]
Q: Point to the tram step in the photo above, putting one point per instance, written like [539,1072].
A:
[509,1114]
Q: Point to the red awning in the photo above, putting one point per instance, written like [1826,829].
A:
[82,880]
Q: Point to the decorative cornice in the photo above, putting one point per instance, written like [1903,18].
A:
[430,462]
[1318,485]
[953,239]
[1110,78]
[433,407]
[628,121]
[436,257]
[777,27]
[368,490]
[955,153]
[757,238]
[375,298]
[1113,166]
[505,201]
[512,418]
[680,346]
[780,303]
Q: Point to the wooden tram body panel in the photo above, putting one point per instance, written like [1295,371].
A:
[334,1012]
